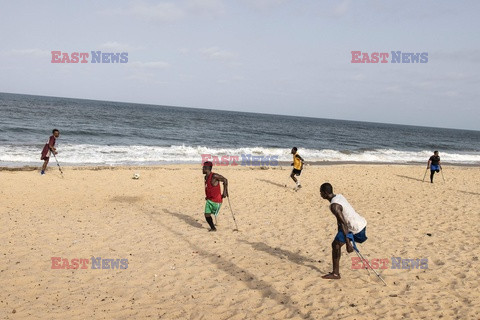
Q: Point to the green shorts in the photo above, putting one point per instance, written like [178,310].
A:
[212,207]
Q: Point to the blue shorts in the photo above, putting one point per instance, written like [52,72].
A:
[435,167]
[359,237]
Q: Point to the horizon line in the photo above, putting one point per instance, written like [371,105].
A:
[250,112]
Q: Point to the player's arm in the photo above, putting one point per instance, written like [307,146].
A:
[428,163]
[337,210]
[224,180]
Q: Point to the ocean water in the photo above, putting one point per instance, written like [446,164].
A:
[113,133]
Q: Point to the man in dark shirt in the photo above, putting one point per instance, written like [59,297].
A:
[48,148]
[434,165]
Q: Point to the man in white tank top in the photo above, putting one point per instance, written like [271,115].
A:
[348,221]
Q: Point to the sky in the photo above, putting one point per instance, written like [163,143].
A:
[269,56]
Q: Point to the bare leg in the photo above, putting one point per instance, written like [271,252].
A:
[336,253]
[209,219]
[293,177]
[45,162]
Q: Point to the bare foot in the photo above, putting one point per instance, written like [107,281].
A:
[331,276]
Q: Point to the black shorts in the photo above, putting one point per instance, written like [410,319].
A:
[296,172]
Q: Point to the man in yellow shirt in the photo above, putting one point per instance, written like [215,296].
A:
[297,167]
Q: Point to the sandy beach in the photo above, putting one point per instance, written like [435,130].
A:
[270,269]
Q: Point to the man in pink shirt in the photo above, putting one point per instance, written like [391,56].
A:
[49,147]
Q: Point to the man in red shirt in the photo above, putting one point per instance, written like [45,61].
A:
[213,194]
[48,148]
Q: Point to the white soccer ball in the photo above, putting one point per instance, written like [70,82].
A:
[136,176]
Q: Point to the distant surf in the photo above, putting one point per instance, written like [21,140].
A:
[143,155]
[112,133]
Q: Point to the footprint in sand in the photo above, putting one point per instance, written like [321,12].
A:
[439,262]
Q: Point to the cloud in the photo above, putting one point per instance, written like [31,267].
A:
[116,46]
[265,4]
[451,93]
[341,9]
[167,12]
[449,78]
[358,77]
[184,51]
[209,7]
[146,71]
[424,84]
[393,89]
[456,55]
[215,53]
[229,80]
[149,65]
[140,76]
[164,11]
[29,52]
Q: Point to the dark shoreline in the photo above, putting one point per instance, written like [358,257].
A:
[281,164]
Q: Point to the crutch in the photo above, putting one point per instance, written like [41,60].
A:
[441,170]
[59,168]
[358,255]
[234,220]
[425,175]
[350,236]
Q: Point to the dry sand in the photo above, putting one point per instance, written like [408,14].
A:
[270,269]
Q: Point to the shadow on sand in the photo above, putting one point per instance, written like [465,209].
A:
[283,254]
[188,219]
[248,278]
[274,183]
[469,192]
[407,177]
